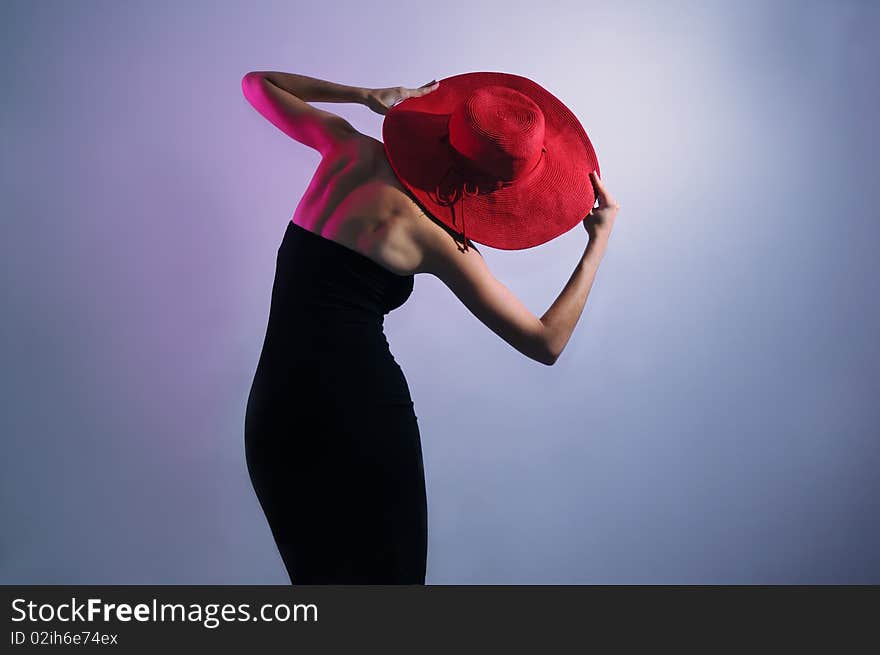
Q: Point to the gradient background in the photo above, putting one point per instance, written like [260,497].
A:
[714,418]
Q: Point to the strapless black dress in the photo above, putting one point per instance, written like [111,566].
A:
[331,436]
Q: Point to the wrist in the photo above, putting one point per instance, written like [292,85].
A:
[597,241]
[362,95]
[595,248]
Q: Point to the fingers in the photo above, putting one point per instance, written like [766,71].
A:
[425,88]
[605,198]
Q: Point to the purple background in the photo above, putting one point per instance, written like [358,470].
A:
[714,418]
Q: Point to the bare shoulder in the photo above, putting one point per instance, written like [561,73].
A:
[442,250]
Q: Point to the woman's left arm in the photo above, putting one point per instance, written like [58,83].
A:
[311,89]
[283,99]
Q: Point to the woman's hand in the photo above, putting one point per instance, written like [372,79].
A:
[381,100]
[600,221]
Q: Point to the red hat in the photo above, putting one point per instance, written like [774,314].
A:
[501,145]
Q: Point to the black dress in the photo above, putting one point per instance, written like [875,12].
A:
[331,436]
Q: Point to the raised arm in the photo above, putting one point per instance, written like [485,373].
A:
[283,99]
[563,315]
[542,339]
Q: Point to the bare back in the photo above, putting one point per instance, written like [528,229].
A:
[354,197]
[356,200]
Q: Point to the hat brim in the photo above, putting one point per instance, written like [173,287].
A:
[549,202]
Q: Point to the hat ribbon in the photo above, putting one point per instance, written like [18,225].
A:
[470,176]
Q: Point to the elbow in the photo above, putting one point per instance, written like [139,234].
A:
[246,84]
[250,82]
[547,348]
[547,356]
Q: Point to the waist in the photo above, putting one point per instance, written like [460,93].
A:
[351,361]
[326,328]
[317,321]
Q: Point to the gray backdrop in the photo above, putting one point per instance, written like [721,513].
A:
[714,418]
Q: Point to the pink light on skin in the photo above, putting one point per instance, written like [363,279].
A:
[295,117]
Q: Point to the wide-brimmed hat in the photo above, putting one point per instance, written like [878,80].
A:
[495,157]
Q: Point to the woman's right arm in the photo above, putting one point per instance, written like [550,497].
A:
[560,320]
[542,339]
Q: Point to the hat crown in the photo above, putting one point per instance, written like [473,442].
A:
[498,132]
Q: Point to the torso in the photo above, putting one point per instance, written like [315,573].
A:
[356,200]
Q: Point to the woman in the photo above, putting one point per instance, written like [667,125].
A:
[332,439]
